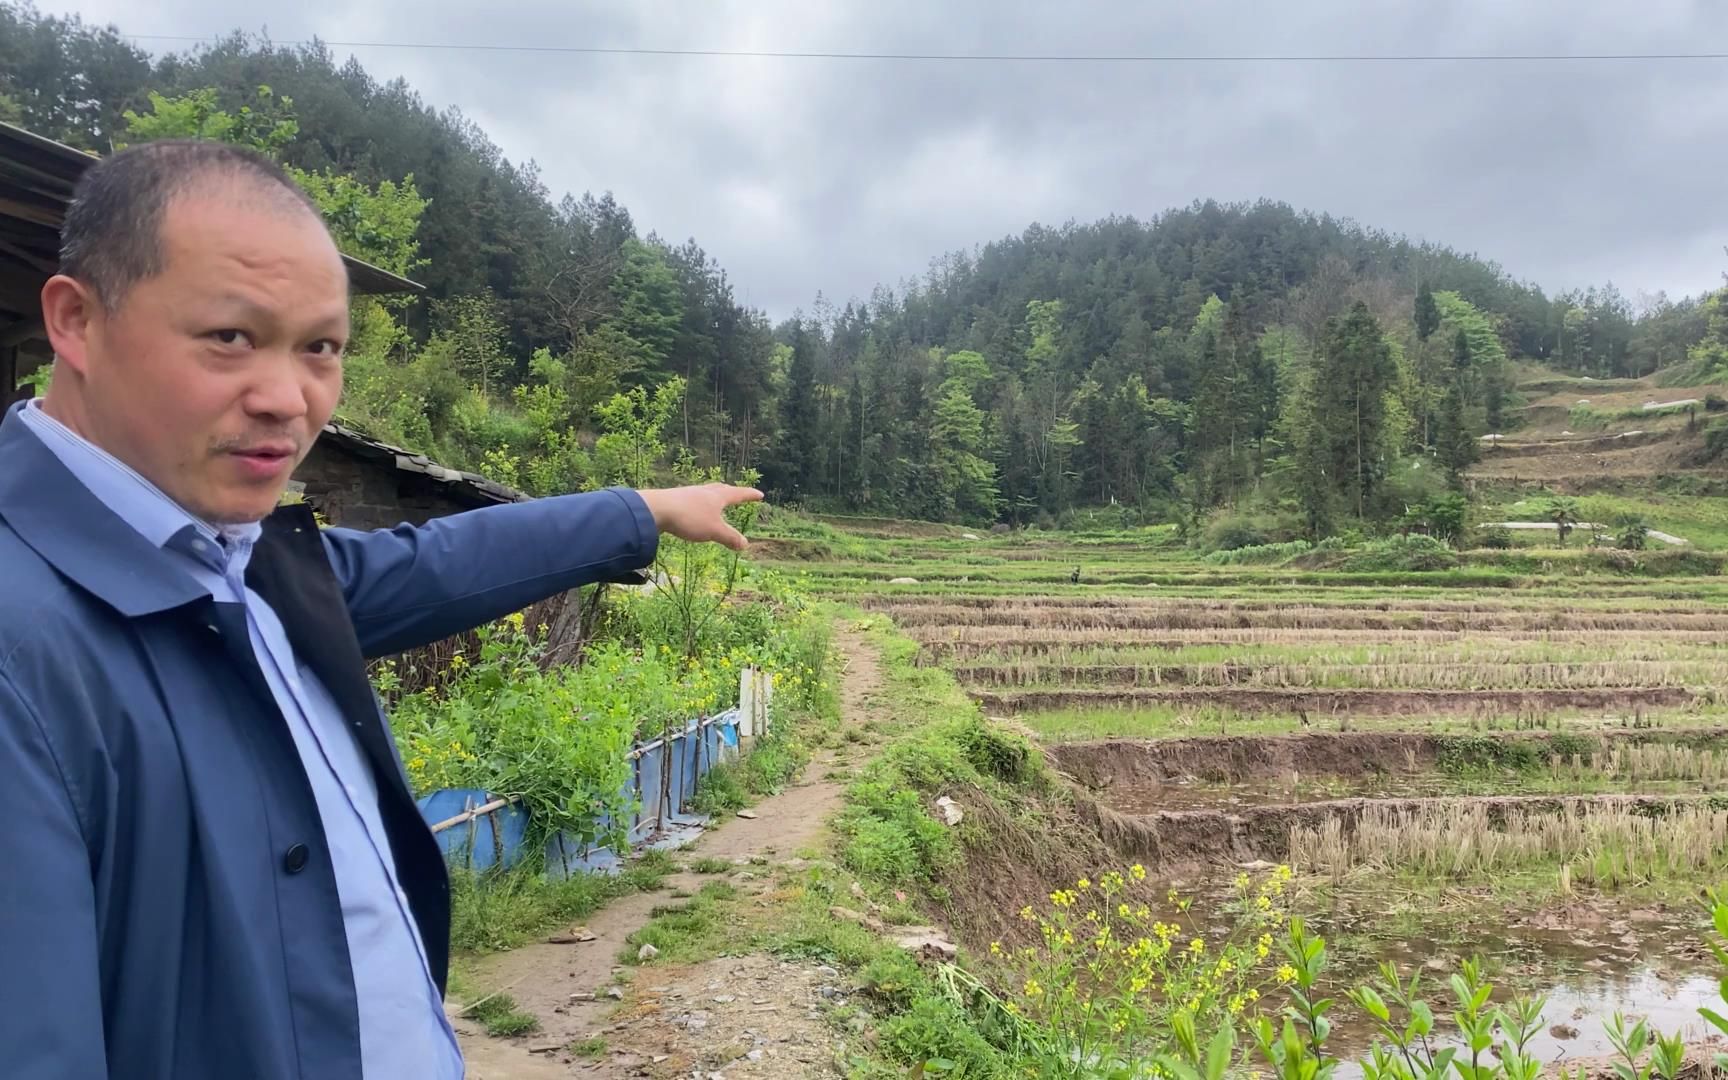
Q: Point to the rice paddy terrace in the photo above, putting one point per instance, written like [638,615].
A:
[1522,754]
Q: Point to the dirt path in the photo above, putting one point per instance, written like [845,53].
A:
[753,1016]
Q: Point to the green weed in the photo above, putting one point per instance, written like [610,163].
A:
[592,1049]
[501,910]
[500,1016]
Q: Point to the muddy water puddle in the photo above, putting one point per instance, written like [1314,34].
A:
[1574,1020]
[1589,957]
[1573,1027]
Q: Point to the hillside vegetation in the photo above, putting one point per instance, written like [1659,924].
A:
[1250,372]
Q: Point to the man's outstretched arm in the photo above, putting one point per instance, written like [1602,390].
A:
[51,995]
[409,586]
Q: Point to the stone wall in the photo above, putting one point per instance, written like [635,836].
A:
[370,493]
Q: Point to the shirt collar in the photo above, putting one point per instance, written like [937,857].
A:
[140,503]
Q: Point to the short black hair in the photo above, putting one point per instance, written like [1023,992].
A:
[111,236]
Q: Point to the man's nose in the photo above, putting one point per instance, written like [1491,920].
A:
[278,392]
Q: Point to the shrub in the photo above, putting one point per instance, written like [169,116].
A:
[1401,553]
[1228,532]
[558,740]
[1633,536]
[1259,554]
[1716,440]
[1234,533]
[996,754]
[1497,537]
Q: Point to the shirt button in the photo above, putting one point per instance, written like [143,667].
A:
[295,858]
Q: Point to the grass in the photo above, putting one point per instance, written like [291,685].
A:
[1703,520]
[686,933]
[1608,846]
[500,1016]
[592,1049]
[711,865]
[501,910]
[772,762]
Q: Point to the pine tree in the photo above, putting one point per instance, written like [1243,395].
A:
[1356,370]
[800,420]
[1427,313]
[1457,442]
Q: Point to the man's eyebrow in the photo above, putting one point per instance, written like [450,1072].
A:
[329,322]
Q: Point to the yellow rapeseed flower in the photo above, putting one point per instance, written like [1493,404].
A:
[1286,973]
[1197,946]
[1137,872]
[995,948]
[1032,989]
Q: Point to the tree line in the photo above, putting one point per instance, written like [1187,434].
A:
[1213,356]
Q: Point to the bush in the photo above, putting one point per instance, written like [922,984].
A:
[1716,440]
[1415,553]
[1633,536]
[1497,537]
[1232,531]
[557,739]
[1258,554]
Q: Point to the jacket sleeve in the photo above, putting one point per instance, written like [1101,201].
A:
[51,996]
[412,585]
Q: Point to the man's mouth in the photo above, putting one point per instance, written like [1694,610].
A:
[265,459]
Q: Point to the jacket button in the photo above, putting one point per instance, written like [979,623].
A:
[295,858]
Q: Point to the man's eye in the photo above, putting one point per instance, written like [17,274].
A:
[326,347]
[230,336]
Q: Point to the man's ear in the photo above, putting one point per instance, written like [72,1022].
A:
[69,309]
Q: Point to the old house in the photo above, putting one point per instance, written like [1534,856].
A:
[352,480]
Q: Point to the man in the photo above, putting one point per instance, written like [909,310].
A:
[213,868]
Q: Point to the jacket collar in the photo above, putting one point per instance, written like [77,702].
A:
[57,516]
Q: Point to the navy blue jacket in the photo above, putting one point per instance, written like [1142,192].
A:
[167,906]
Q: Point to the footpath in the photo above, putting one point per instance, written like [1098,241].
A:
[733,1017]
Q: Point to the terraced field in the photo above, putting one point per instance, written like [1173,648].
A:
[1527,760]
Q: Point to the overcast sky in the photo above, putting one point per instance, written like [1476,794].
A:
[801,175]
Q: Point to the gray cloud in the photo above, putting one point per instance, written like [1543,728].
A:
[835,175]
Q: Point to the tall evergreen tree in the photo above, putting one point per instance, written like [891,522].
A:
[1355,373]
[796,467]
[1426,314]
[1457,447]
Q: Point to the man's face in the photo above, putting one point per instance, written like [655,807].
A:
[214,377]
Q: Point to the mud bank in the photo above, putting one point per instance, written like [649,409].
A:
[1347,702]
[1176,840]
[1232,759]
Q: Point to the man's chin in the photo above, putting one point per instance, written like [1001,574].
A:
[247,510]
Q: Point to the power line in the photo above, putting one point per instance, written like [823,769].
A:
[1001,58]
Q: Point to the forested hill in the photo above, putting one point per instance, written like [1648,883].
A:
[1186,362]
[1212,357]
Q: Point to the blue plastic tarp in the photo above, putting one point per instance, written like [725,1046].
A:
[663,779]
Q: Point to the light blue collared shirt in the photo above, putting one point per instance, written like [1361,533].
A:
[403,1030]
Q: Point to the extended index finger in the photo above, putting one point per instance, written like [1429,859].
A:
[736,495]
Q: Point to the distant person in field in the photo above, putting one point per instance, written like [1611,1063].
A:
[215,869]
